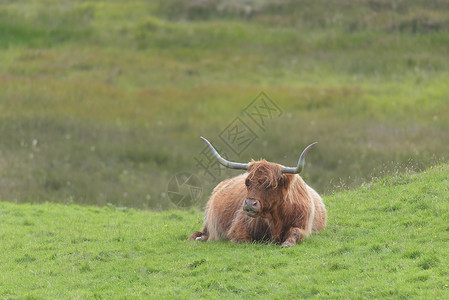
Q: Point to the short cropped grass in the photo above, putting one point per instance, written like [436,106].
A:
[387,239]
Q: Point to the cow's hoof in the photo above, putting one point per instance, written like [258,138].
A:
[240,241]
[287,245]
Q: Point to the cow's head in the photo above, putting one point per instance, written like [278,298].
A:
[264,185]
[265,181]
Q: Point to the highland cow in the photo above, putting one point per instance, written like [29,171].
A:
[269,203]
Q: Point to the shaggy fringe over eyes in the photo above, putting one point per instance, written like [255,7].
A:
[265,172]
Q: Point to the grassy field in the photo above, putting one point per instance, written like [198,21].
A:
[384,240]
[104,101]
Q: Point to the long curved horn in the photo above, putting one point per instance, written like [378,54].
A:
[224,162]
[301,161]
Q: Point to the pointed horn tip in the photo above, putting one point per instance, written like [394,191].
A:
[224,162]
[311,145]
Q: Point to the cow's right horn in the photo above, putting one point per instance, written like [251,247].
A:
[224,162]
[301,162]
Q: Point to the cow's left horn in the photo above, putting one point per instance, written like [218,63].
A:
[301,161]
[224,162]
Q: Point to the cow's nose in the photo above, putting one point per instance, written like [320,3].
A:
[250,204]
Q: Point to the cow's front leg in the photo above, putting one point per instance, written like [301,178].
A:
[293,235]
[199,235]
[239,233]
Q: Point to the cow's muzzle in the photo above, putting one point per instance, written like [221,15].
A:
[251,207]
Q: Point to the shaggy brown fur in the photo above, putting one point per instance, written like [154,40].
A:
[263,205]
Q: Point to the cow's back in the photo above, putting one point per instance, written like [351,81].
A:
[225,201]
[320,217]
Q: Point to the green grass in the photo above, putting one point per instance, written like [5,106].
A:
[387,239]
[104,101]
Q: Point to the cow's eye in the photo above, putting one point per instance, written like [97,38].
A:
[247,182]
[268,188]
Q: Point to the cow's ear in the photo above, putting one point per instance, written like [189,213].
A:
[285,180]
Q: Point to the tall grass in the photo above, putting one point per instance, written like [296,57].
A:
[103,102]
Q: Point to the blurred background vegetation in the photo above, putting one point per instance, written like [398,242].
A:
[104,101]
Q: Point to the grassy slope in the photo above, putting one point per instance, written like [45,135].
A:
[122,90]
[387,239]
